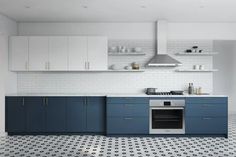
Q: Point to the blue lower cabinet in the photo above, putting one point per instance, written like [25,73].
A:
[55,114]
[76,114]
[127,125]
[210,110]
[96,114]
[128,110]
[207,100]
[127,100]
[35,114]
[15,114]
[206,125]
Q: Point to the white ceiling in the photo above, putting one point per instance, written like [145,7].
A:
[119,10]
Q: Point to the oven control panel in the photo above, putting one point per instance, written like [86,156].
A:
[167,103]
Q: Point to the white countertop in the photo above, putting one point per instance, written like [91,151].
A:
[109,95]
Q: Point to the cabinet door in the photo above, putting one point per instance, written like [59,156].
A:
[96,114]
[128,125]
[35,114]
[15,114]
[77,53]
[206,125]
[19,53]
[76,114]
[58,54]
[38,53]
[97,53]
[55,114]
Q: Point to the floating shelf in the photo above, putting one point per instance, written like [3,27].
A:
[123,70]
[126,54]
[191,70]
[197,54]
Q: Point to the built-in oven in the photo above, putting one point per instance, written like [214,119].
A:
[167,116]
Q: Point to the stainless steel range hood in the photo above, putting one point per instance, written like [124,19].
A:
[162,58]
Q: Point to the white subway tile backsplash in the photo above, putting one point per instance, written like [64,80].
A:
[113,82]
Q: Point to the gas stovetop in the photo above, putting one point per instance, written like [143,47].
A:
[165,93]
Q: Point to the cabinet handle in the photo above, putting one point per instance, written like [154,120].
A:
[128,118]
[206,105]
[26,65]
[23,101]
[46,65]
[206,118]
[46,101]
[88,65]
[128,105]
[85,65]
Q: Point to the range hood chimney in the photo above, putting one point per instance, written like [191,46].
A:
[161,57]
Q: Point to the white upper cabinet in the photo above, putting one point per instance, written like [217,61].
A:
[77,53]
[58,53]
[19,53]
[38,53]
[97,53]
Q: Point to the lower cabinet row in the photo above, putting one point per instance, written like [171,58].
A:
[55,114]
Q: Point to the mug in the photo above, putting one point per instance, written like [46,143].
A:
[196,67]
[201,67]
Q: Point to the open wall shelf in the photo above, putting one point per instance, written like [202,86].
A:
[197,54]
[191,70]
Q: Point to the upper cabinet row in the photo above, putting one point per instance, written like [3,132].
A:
[58,53]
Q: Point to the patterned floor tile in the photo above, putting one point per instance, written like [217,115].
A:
[101,146]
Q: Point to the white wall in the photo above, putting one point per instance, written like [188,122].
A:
[8,80]
[205,31]
[112,30]
[143,31]
[128,34]
[225,78]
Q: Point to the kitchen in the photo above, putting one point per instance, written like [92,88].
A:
[105,80]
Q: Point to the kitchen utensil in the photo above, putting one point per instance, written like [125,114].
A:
[114,67]
[196,67]
[190,89]
[150,91]
[137,49]
[135,66]
[201,67]
[195,49]
[128,68]
[188,51]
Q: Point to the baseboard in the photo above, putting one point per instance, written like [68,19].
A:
[3,134]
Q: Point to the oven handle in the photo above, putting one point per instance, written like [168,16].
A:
[168,108]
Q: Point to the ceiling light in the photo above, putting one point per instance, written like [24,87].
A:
[27,7]
[85,6]
[143,6]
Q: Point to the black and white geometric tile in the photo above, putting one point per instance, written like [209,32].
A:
[101,146]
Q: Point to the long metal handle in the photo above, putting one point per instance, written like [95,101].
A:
[23,101]
[168,108]
[206,105]
[46,66]
[47,101]
[88,65]
[127,105]
[207,118]
[26,65]
[85,65]
[128,118]
[44,101]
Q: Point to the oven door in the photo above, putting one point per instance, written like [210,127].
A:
[167,120]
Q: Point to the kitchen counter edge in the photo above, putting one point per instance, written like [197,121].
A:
[104,94]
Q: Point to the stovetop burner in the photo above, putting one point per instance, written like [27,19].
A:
[165,93]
